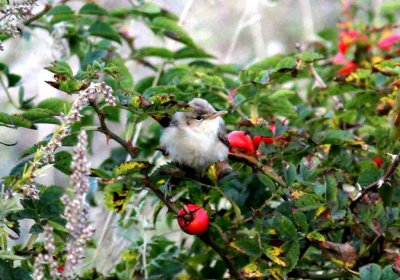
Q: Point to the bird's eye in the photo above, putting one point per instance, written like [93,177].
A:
[199,118]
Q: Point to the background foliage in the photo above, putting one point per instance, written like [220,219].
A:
[323,197]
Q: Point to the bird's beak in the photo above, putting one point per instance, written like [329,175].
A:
[218,114]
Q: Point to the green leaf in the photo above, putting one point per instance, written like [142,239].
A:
[287,63]
[284,226]
[16,121]
[172,30]
[104,30]
[61,13]
[7,256]
[308,57]
[159,90]
[8,271]
[148,8]
[50,205]
[301,221]
[389,274]
[38,115]
[93,9]
[187,52]
[154,51]
[13,79]
[370,272]
[57,105]
[60,10]
[247,245]
[63,161]
[290,174]
[61,68]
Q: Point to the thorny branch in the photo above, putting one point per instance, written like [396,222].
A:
[104,129]
[378,183]
[206,238]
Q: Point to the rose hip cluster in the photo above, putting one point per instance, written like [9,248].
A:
[242,142]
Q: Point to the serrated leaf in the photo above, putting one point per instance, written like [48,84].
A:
[93,9]
[247,245]
[308,57]
[60,10]
[100,173]
[172,30]
[38,115]
[154,51]
[285,227]
[57,105]
[389,274]
[16,121]
[316,236]
[116,197]
[187,52]
[273,254]
[148,8]
[370,272]
[63,161]
[104,30]
[255,269]
[287,63]
[161,90]
[7,256]
[301,221]
[61,68]
[131,167]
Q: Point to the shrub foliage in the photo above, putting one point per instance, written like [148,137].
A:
[318,194]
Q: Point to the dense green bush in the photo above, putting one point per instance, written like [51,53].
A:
[318,198]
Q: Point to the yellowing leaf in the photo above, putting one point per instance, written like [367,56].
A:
[320,210]
[297,194]
[273,254]
[212,173]
[315,236]
[116,197]
[131,167]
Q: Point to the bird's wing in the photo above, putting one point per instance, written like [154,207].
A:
[222,133]
[223,139]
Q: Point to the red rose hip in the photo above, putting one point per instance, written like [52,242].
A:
[193,219]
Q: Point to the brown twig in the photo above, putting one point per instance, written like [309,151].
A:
[104,129]
[319,82]
[378,183]
[46,8]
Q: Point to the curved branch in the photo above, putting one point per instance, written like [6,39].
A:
[378,183]
[104,129]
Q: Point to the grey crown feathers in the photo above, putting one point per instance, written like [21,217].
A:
[196,139]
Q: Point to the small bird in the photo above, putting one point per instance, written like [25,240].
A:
[196,139]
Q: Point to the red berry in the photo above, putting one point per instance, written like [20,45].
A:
[193,219]
[60,269]
[378,161]
[266,139]
[241,141]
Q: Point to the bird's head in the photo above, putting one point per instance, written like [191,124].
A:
[204,116]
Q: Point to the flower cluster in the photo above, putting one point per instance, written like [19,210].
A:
[76,210]
[42,259]
[12,14]
[46,153]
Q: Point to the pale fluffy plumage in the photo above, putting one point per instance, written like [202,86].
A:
[195,143]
